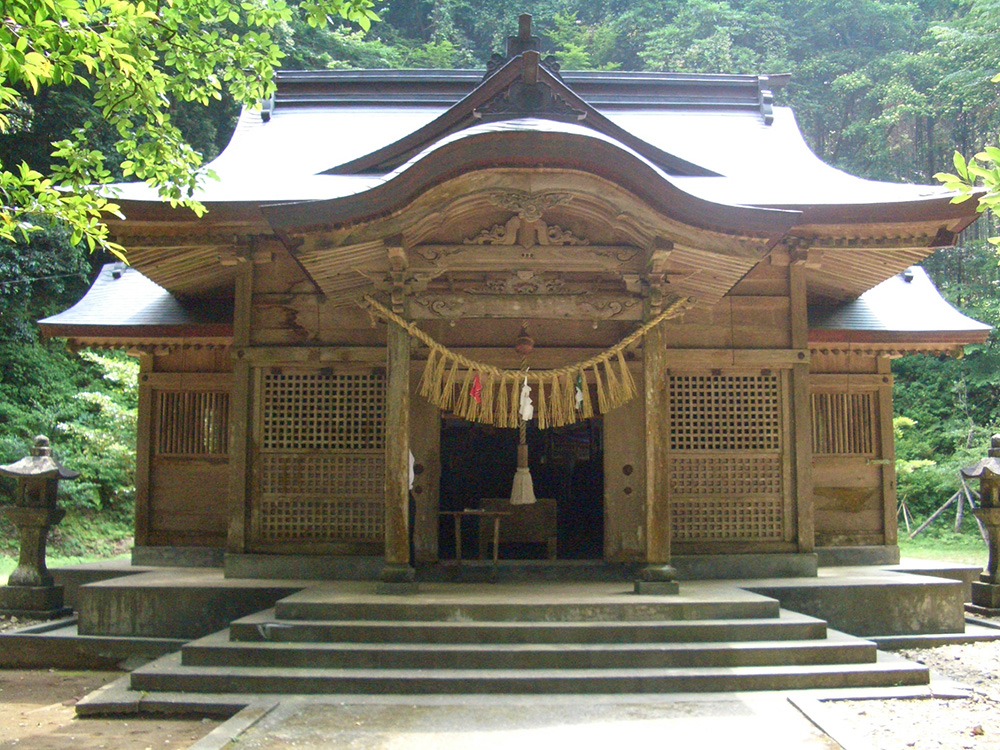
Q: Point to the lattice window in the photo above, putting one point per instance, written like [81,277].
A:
[725,412]
[726,449]
[717,520]
[317,520]
[843,423]
[725,475]
[322,411]
[191,423]
[321,457]
[339,475]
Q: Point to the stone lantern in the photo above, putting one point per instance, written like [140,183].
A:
[986,591]
[30,590]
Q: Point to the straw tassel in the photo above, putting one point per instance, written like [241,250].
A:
[602,397]
[543,417]
[486,407]
[628,382]
[462,403]
[587,410]
[448,392]
[426,380]
[503,404]
[614,386]
[438,379]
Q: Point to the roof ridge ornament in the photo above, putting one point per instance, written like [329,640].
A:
[528,96]
[525,41]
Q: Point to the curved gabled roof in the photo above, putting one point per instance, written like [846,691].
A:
[904,309]
[123,304]
[530,143]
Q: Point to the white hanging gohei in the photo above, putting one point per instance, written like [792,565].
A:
[527,408]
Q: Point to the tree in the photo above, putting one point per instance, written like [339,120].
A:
[135,61]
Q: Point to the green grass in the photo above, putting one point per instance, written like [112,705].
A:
[7,564]
[940,542]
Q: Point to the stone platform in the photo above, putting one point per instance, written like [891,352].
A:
[128,615]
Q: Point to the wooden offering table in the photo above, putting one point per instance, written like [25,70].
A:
[481,514]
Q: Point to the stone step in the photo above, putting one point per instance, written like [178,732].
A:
[623,607]
[218,650]
[168,674]
[264,626]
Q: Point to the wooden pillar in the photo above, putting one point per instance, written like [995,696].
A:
[801,446]
[143,453]
[425,439]
[240,415]
[887,440]
[398,575]
[657,577]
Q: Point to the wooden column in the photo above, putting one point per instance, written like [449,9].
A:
[801,437]
[887,441]
[143,453]
[240,415]
[397,576]
[657,577]
[425,439]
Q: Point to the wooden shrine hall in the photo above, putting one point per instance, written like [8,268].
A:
[334,357]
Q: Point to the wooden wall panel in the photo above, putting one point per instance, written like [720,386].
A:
[194,360]
[849,506]
[736,322]
[625,481]
[189,502]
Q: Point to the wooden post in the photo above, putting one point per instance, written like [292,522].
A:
[425,439]
[240,415]
[143,454]
[658,576]
[887,440]
[801,436]
[398,575]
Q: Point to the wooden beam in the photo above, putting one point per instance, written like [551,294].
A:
[590,306]
[190,381]
[277,355]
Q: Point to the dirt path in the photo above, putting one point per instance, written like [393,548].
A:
[37,712]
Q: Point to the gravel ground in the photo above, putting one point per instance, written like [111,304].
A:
[933,723]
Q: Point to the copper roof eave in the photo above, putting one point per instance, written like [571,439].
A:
[242,213]
[531,150]
[221,331]
[930,338]
[462,115]
[937,208]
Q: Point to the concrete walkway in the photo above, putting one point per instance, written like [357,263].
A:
[743,720]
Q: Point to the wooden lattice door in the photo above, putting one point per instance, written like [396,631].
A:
[319,463]
[728,460]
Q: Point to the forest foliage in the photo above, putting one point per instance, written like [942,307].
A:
[885,89]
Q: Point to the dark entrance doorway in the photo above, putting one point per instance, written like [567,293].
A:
[478,461]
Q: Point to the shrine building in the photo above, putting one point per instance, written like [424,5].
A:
[333,356]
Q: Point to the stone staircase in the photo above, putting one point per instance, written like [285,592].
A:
[527,639]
